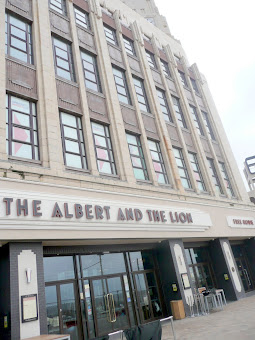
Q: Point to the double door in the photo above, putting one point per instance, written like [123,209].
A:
[202,275]
[244,273]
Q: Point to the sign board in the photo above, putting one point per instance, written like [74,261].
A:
[29,308]
[241,222]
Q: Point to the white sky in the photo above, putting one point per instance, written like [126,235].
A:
[219,35]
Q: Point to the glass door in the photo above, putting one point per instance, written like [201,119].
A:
[244,274]
[110,305]
[61,309]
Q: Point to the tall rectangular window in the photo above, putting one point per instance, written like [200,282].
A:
[193,111]
[158,162]
[165,68]
[197,172]
[208,125]
[90,69]
[151,59]
[21,128]
[182,168]
[110,35]
[63,59]
[215,177]
[121,85]
[183,79]
[73,141]
[129,46]
[226,179]
[194,85]
[164,105]
[179,113]
[137,157]
[104,151]
[141,95]
[18,39]
[58,6]
[81,18]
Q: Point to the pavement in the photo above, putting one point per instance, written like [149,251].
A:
[235,322]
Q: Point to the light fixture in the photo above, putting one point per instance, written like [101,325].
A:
[28,274]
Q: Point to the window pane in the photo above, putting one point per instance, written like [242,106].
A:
[100,141]
[21,134]
[139,174]
[20,119]
[70,132]
[21,150]
[73,161]
[72,146]
[104,167]
[68,119]
[58,268]
[102,154]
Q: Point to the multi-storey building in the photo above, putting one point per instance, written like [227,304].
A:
[119,190]
[249,172]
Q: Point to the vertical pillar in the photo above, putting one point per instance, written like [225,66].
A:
[223,262]
[25,256]
[5,330]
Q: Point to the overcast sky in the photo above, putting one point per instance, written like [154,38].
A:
[219,35]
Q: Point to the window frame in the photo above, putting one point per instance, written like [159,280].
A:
[69,59]
[226,179]
[28,40]
[179,114]
[183,167]
[95,73]
[32,130]
[194,85]
[125,87]
[183,79]
[130,43]
[168,114]
[146,103]
[196,119]
[197,171]
[108,148]
[79,130]
[165,68]
[63,9]
[113,40]
[86,23]
[214,174]
[208,125]
[151,59]
[160,161]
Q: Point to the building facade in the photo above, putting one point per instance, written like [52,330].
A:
[249,172]
[119,190]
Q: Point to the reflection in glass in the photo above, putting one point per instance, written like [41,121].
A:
[143,296]
[58,268]
[154,297]
[141,260]
[52,310]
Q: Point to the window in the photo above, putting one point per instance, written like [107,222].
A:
[121,85]
[215,177]
[90,71]
[21,128]
[151,59]
[164,105]
[196,120]
[59,6]
[197,172]
[165,68]
[137,157]
[183,79]
[208,125]
[179,113]
[129,46]
[81,18]
[103,146]
[226,179]
[110,35]
[158,162]
[141,95]
[63,59]
[194,85]
[18,39]
[183,172]
[72,141]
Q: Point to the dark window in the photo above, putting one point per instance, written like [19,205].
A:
[110,35]
[121,85]
[165,68]
[194,85]
[226,179]
[179,113]
[58,6]
[164,105]
[73,141]
[197,172]
[214,175]
[21,128]
[183,171]
[151,59]
[183,79]
[58,268]
[63,59]
[196,120]
[129,46]
[141,95]
[81,18]
[90,69]
[18,39]
[158,162]
[103,146]
[137,157]
[208,125]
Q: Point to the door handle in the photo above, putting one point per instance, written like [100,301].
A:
[113,318]
[107,305]
[247,276]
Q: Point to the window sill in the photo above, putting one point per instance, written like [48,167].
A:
[198,94]
[32,66]
[82,171]
[149,114]
[186,88]
[69,82]
[170,78]
[131,107]
[116,46]
[111,176]
[24,160]
[189,189]
[186,130]
[85,29]
[59,14]
[141,181]
[100,94]
[167,186]
[170,123]
[155,69]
